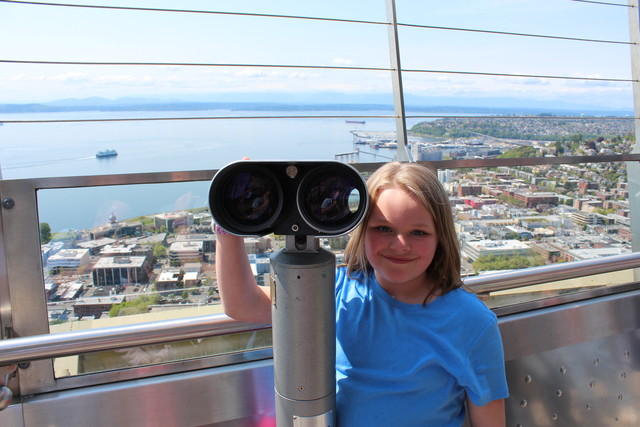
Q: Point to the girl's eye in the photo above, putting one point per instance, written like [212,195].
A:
[419,233]
[383,228]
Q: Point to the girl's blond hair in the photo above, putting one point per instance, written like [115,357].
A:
[422,183]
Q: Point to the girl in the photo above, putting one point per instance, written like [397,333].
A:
[413,347]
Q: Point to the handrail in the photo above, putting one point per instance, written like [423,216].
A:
[551,273]
[206,175]
[37,347]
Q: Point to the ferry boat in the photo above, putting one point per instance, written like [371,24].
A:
[106,153]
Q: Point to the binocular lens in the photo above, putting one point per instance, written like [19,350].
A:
[330,200]
[252,199]
[314,198]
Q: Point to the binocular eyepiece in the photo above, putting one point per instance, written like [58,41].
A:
[303,198]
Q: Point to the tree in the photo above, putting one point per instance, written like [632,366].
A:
[45,232]
[504,262]
[137,306]
[577,138]
[524,151]
[180,282]
[159,251]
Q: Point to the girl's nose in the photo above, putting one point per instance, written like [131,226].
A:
[400,242]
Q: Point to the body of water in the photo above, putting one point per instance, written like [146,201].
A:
[36,150]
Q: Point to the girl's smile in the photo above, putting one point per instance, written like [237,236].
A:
[400,243]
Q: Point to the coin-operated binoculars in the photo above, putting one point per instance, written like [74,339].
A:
[302,200]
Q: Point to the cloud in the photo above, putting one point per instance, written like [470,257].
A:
[598,92]
[73,77]
[251,72]
[120,79]
[298,75]
[28,78]
[21,76]
[523,81]
[343,62]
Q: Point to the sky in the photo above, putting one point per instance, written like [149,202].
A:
[52,33]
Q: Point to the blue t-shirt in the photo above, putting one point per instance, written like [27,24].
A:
[408,365]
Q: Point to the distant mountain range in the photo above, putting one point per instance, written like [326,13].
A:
[314,102]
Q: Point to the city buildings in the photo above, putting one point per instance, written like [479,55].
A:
[181,252]
[116,229]
[506,248]
[171,221]
[68,260]
[550,213]
[120,270]
[95,307]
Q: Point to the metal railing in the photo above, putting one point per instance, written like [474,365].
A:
[80,342]
[551,273]
[28,327]
[64,344]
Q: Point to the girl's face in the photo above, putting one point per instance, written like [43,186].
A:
[400,242]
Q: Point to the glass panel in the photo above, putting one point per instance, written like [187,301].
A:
[118,255]
[511,218]
[188,113]
[162,353]
[201,43]
[221,32]
[555,289]
[185,145]
[544,17]
[463,43]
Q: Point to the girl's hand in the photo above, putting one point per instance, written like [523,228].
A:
[242,299]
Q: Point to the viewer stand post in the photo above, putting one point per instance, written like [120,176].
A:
[304,336]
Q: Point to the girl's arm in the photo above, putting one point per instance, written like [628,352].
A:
[489,415]
[242,299]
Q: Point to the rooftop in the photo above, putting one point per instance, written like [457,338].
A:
[119,262]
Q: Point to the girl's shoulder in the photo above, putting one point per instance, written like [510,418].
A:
[342,274]
[348,281]
[341,271]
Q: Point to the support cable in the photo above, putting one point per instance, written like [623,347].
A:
[317,67]
[191,64]
[206,12]
[507,33]
[532,76]
[342,20]
[602,3]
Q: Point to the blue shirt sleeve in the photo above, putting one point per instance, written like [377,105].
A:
[485,379]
